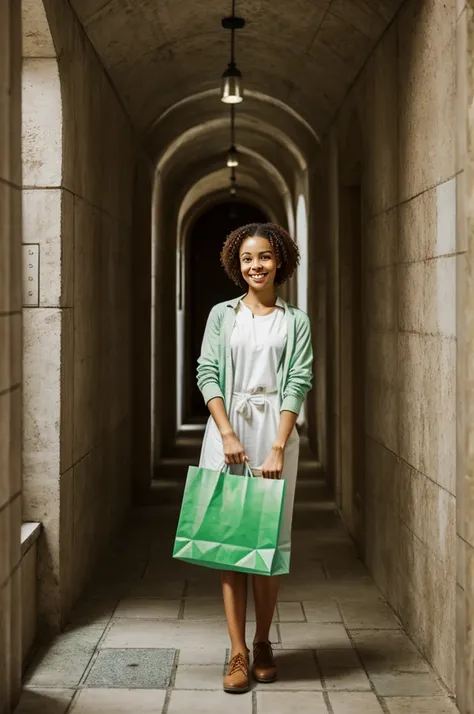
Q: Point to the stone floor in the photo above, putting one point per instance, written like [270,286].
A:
[150,637]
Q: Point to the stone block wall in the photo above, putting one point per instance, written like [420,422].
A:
[10,354]
[79,164]
[403,104]
[465,357]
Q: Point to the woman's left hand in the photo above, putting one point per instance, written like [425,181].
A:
[272,467]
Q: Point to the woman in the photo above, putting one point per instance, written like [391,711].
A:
[254,372]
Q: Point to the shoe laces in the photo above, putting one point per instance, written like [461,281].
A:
[238,662]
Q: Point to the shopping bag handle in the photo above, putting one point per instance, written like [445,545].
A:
[247,470]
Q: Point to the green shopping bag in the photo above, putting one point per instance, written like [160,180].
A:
[231,522]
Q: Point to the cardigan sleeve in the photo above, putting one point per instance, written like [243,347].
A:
[300,373]
[208,362]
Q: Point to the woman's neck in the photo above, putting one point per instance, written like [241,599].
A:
[260,299]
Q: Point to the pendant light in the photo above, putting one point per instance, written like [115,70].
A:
[231,88]
[232,157]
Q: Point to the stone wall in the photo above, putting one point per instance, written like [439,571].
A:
[393,143]
[10,354]
[79,162]
[465,363]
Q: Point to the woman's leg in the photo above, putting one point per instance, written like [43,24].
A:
[234,591]
[265,593]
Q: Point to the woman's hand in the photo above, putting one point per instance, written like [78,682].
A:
[234,452]
[272,467]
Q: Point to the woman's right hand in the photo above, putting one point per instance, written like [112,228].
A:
[234,452]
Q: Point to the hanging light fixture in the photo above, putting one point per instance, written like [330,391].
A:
[232,154]
[232,157]
[231,89]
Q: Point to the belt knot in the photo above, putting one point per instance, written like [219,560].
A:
[245,400]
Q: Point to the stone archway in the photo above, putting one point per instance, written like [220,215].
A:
[207,284]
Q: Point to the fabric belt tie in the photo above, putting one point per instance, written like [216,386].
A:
[245,400]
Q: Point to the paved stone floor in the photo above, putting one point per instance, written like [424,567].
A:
[149,636]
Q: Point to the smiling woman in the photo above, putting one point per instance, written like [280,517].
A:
[254,372]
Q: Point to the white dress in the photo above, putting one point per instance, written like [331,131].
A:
[257,345]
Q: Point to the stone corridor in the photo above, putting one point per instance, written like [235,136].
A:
[118,186]
[150,635]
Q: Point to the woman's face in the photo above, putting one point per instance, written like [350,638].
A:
[258,263]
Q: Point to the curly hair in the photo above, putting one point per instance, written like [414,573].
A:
[286,251]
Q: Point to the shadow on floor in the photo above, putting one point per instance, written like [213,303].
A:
[149,635]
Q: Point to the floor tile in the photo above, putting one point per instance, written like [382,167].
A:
[114,569]
[206,583]
[290,612]
[349,589]
[205,654]
[179,634]
[388,650]
[152,608]
[204,609]
[94,611]
[321,611]
[136,655]
[345,568]
[195,702]
[156,587]
[338,658]
[102,590]
[420,705]
[393,684]
[64,663]
[301,588]
[199,676]
[285,702]
[132,668]
[44,701]
[356,703]
[119,701]
[79,635]
[340,678]
[296,670]
[300,635]
[370,614]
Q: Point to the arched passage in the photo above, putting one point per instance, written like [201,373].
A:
[207,284]
[190,171]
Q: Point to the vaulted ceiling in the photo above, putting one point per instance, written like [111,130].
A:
[302,53]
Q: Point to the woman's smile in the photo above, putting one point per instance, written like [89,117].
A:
[258,277]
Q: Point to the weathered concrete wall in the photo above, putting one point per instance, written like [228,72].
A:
[465,362]
[10,354]
[78,206]
[403,512]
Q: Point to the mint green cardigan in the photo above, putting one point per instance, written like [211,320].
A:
[214,372]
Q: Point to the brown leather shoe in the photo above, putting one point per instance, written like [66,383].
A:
[236,680]
[264,667]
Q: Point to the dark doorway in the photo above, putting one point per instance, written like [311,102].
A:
[206,285]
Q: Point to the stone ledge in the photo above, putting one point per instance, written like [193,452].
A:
[29,534]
